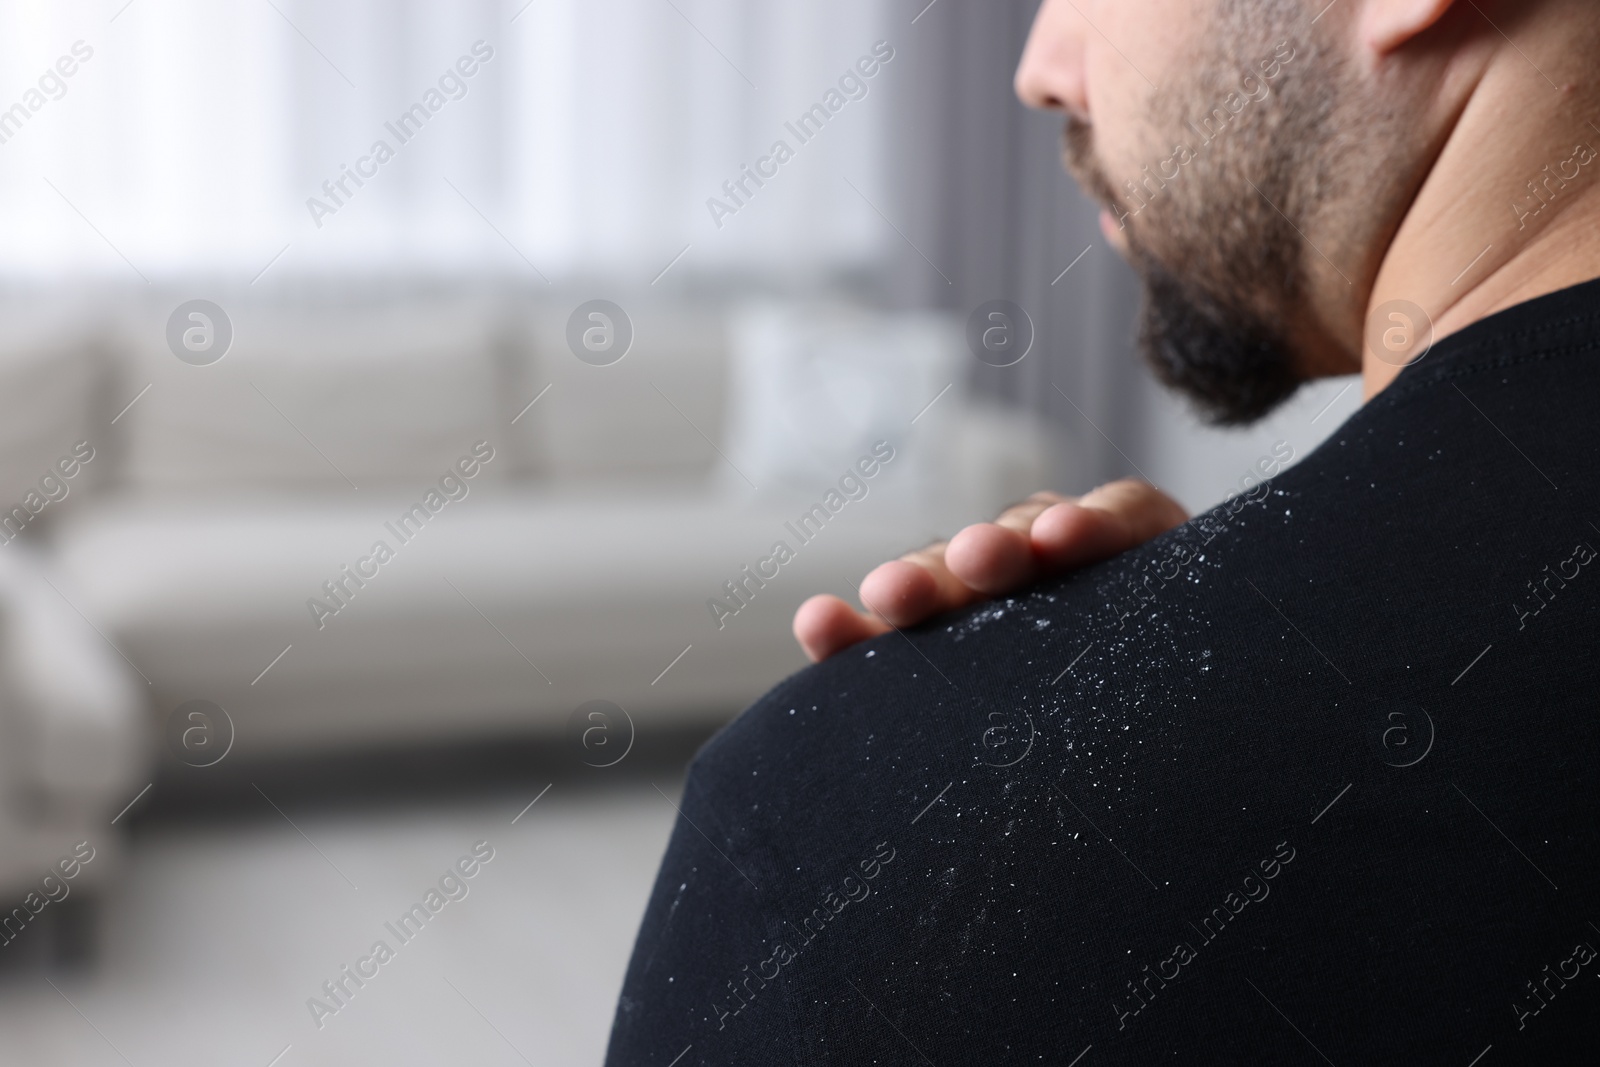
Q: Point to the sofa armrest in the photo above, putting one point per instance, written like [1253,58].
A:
[73,717]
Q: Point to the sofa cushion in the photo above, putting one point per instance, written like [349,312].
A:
[358,397]
[653,414]
[504,615]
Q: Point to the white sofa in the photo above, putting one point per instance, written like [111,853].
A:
[578,565]
[74,737]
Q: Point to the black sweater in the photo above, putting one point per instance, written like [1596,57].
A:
[1310,779]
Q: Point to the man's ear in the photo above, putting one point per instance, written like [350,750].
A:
[1390,24]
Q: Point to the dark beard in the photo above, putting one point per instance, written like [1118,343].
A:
[1233,364]
[1221,248]
[1201,331]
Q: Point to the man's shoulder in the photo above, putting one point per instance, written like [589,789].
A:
[977,686]
[1307,586]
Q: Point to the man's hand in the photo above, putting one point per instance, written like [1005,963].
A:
[1044,535]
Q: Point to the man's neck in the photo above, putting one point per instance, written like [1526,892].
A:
[1511,209]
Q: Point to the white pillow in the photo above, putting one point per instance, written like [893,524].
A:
[815,387]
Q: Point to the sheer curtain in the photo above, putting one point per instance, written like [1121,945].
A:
[978,180]
[588,139]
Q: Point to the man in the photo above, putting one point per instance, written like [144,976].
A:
[1312,778]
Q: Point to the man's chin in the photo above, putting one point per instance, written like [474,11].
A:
[1233,366]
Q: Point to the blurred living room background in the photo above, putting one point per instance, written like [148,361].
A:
[578,345]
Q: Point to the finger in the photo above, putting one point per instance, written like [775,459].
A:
[826,625]
[905,591]
[997,557]
[1070,535]
[1147,510]
[1104,522]
[1048,533]
[992,558]
[1020,517]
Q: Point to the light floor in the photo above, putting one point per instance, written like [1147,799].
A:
[221,933]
